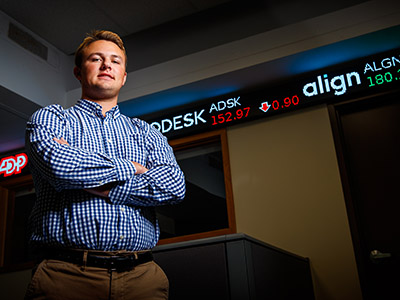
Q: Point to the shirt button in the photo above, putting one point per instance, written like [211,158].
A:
[121,237]
[122,209]
[109,141]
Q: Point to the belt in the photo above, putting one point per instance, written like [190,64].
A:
[118,262]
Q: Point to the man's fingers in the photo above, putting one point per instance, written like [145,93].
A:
[61,141]
[139,168]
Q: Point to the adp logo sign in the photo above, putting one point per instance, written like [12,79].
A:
[13,164]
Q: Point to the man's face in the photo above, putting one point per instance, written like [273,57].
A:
[102,73]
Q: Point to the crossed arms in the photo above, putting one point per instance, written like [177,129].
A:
[121,180]
[104,190]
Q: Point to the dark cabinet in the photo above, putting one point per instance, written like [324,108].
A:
[235,267]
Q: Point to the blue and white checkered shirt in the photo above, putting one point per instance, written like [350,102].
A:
[100,151]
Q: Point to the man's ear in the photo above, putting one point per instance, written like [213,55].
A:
[77,73]
[125,75]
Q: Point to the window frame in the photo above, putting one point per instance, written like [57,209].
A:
[192,141]
[8,189]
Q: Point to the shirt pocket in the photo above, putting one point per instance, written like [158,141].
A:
[133,148]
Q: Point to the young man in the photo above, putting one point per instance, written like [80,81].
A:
[98,175]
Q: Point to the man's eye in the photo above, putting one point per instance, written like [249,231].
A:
[116,61]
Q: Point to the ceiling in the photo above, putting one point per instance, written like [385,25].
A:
[157,30]
[49,19]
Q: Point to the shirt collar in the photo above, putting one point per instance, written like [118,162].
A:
[93,108]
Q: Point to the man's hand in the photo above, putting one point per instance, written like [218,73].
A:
[139,168]
[61,141]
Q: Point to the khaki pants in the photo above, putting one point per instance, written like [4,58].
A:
[54,279]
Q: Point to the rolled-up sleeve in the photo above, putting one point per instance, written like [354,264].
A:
[163,183]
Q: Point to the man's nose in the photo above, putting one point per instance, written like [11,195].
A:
[106,65]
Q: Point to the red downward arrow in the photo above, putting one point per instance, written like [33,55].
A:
[265,106]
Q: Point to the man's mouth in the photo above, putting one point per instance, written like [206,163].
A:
[105,75]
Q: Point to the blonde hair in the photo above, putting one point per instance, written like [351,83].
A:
[97,35]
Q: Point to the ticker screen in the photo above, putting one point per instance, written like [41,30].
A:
[364,76]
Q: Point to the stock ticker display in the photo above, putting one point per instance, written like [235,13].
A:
[366,76]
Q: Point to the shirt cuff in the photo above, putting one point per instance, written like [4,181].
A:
[124,192]
[125,169]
